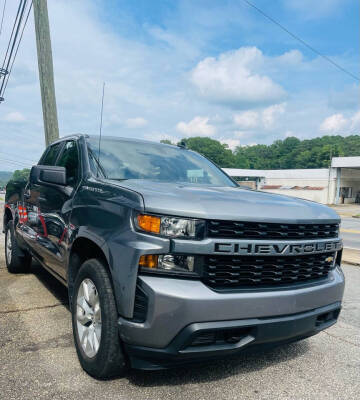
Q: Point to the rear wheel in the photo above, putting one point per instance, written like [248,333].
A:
[16,260]
[94,318]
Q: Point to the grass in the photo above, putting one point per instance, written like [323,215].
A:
[356,216]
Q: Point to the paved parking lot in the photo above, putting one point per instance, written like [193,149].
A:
[38,359]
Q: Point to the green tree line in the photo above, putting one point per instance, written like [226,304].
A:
[282,154]
[17,175]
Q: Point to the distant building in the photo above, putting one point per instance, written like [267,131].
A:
[338,184]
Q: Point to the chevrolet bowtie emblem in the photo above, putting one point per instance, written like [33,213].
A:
[329,259]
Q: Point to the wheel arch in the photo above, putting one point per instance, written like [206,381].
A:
[8,216]
[82,249]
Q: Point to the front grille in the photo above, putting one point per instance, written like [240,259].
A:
[267,231]
[219,337]
[252,271]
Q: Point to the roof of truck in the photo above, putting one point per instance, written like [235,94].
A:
[107,137]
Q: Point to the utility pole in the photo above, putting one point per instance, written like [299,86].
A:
[46,71]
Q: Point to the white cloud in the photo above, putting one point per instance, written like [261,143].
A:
[158,136]
[270,114]
[251,120]
[242,134]
[232,143]
[292,57]
[233,79]
[250,144]
[198,126]
[334,124]
[14,117]
[137,122]
[355,121]
[247,119]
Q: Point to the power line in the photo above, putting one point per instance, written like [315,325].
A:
[23,165]
[12,33]
[302,41]
[17,49]
[2,17]
[15,161]
[23,3]
[13,40]
[11,155]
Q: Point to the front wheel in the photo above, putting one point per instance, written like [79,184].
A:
[16,260]
[94,318]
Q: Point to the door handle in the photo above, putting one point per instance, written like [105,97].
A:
[27,195]
[42,199]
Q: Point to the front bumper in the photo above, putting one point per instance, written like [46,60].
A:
[174,304]
[192,342]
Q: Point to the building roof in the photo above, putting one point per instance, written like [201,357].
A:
[345,162]
[320,173]
[283,187]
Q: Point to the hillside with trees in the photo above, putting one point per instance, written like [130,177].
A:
[289,153]
[4,178]
[18,175]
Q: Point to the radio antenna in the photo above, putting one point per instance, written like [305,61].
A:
[100,129]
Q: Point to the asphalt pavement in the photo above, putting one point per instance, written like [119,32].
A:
[350,232]
[38,358]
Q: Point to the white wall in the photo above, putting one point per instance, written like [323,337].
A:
[320,196]
[320,173]
[322,177]
[295,177]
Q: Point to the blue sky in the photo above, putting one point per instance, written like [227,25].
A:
[179,68]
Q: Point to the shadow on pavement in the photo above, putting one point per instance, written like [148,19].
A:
[51,283]
[216,370]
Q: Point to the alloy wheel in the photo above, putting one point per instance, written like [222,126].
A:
[8,247]
[88,318]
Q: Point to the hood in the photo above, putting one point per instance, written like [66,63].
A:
[226,203]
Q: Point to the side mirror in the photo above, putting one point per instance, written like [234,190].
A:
[47,174]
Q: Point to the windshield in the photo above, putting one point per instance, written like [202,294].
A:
[122,159]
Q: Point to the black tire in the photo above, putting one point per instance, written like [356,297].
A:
[19,261]
[109,360]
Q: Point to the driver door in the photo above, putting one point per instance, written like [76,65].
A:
[51,207]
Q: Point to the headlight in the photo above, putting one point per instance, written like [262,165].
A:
[171,226]
[169,263]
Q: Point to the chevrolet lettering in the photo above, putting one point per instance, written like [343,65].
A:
[166,259]
[277,249]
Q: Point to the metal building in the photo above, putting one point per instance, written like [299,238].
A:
[335,185]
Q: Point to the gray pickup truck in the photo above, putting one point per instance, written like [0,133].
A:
[166,259]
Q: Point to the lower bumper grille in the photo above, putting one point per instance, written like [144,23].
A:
[252,271]
[140,305]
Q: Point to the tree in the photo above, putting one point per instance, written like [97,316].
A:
[288,153]
[4,178]
[217,152]
[21,175]
[166,141]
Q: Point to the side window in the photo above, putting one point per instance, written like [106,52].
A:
[70,160]
[51,155]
